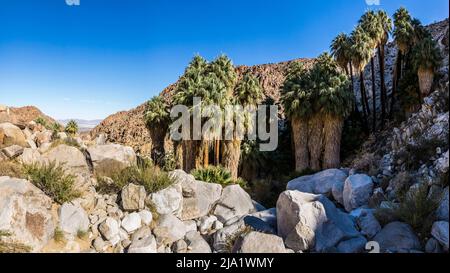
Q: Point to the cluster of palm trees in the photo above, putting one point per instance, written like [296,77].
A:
[317,101]
[370,36]
[218,84]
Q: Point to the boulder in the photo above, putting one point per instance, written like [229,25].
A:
[144,245]
[180,246]
[196,243]
[354,245]
[69,157]
[11,135]
[26,212]
[259,225]
[169,229]
[223,237]
[146,217]
[357,191]
[111,157]
[319,183]
[368,224]
[433,246]
[29,156]
[131,222]
[440,232]
[269,216]
[206,223]
[43,137]
[12,151]
[198,197]
[109,228]
[235,202]
[442,211]
[257,242]
[133,197]
[73,219]
[307,221]
[169,200]
[397,237]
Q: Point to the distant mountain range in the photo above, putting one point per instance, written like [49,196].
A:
[83,125]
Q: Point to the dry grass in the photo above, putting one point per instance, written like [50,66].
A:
[11,247]
[11,169]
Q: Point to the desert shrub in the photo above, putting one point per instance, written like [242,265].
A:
[58,235]
[231,240]
[11,169]
[41,121]
[213,174]
[169,162]
[415,155]
[418,210]
[145,174]
[400,184]
[11,247]
[53,181]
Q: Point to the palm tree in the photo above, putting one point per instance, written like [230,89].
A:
[190,86]
[369,22]
[71,127]
[426,59]
[157,119]
[335,102]
[404,37]
[385,24]
[248,93]
[361,54]
[225,71]
[296,100]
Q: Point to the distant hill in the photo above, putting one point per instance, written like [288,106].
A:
[23,115]
[83,125]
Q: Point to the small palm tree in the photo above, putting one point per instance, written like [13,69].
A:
[157,118]
[426,59]
[72,128]
[361,54]
[296,100]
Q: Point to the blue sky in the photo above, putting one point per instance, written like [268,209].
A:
[103,56]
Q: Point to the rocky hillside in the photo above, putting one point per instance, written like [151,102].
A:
[22,115]
[128,127]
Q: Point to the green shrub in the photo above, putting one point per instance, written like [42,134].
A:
[169,161]
[145,174]
[58,236]
[41,121]
[11,247]
[213,174]
[418,210]
[11,169]
[68,141]
[53,181]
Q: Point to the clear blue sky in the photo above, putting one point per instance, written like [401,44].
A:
[104,56]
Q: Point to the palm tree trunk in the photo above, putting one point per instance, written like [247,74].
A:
[189,154]
[353,89]
[364,102]
[315,142]
[178,147]
[374,96]
[231,156]
[157,153]
[333,126]
[426,77]
[300,137]
[198,151]
[396,77]
[381,56]
[206,154]
[216,152]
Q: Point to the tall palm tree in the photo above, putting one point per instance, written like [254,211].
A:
[385,24]
[361,54]
[190,86]
[404,37]
[369,22]
[248,93]
[335,102]
[157,118]
[71,128]
[296,99]
[225,71]
[426,59]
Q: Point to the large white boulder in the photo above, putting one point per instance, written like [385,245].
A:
[311,222]
[131,222]
[29,156]
[69,157]
[169,200]
[133,197]
[169,229]
[319,183]
[198,197]
[110,228]
[144,245]
[196,243]
[235,202]
[357,191]
[111,157]
[440,233]
[25,212]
